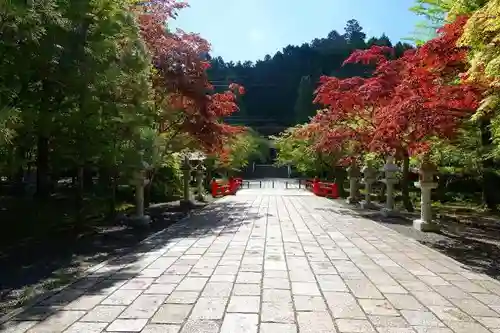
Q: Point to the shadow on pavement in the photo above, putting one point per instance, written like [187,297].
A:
[122,250]
[477,255]
[478,250]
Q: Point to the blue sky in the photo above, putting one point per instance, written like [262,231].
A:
[250,29]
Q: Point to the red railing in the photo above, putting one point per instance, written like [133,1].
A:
[238,182]
[220,189]
[323,189]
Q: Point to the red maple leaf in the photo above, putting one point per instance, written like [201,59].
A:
[181,80]
[406,102]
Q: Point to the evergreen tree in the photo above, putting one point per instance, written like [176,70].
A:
[304,107]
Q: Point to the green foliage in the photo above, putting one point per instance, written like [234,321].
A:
[482,35]
[167,181]
[304,108]
[84,81]
[295,150]
[9,119]
[240,151]
[459,7]
[375,160]
[435,13]
[260,147]
[461,156]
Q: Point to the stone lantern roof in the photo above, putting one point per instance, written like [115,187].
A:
[196,156]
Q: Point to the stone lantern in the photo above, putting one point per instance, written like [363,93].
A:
[390,170]
[426,184]
[192,160]
[200,173]
[354,174]
[369,177]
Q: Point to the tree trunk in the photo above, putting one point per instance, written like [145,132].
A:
[42,167]
[147,195]
[340,177]
[105,184]
[441,189]
[88,181]
[104,178]
[147,191]
[112,194]
[405,184]
[17,181]
[79,197]
[489,179]
[16,169]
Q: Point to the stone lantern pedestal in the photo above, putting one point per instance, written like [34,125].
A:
[192,160]
[369,177]
[354,174]
[390,170]
[139,219]
[186,176]
[426,184]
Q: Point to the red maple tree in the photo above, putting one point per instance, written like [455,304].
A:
[406,101]
[180,80]
[347,123]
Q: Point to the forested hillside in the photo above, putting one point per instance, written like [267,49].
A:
[280,87]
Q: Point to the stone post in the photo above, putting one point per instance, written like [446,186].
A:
[140,181]
[199,183]
[354,175]
[186,170]
[426,184]
[390,170]
[369,177]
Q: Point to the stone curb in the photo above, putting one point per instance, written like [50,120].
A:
[8,316]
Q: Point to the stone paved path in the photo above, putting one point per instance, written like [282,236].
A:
[273,264]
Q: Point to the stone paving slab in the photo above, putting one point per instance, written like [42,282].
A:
[259,263]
